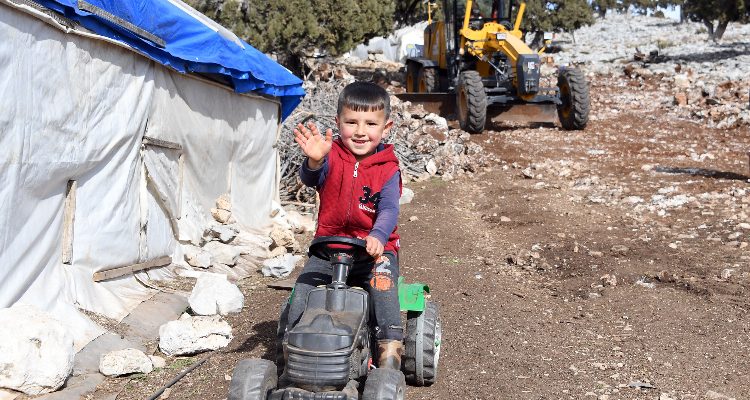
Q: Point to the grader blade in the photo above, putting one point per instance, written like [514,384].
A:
[443,104]
[531,112]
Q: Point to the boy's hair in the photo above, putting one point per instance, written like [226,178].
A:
[364,96]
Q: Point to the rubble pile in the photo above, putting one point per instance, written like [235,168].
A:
[707,81]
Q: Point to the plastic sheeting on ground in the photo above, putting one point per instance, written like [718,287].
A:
[79,112]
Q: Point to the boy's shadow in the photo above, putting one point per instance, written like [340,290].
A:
[263,335]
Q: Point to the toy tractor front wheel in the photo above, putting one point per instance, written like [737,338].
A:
[574,94]
[253,379]
[471,101]
[422,345]
[384,384]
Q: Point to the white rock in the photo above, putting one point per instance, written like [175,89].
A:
[123,362]
[431,167]
[645,284]
[253,243]
[632,200]
[158,362]
[220,215]
[744,225]
[190,335]
[223,202]
[214,294]
[681,81]
[667,190]
[224,233]
[283,238]
[437,120]
[727,273]
[407,195]
[36,351]
[222,253]
[300,223]
[717,396]
[277,251]
[197,257]
[608,280]
[280,266]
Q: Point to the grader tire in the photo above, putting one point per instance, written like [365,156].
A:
[574,94]
[427,80]
[472,102]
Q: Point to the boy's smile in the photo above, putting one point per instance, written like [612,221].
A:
[362,131]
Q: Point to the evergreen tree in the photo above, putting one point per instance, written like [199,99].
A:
[721,11]
[409,12]
[292,28]
[555,16]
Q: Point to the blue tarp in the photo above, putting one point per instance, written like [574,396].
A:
[166,31]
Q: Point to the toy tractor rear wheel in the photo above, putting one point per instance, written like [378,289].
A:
[471,101]
[574,94]
[422,345]
[427,80]
[384,384]
[253,379]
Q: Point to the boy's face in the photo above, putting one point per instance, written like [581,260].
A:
[362,131]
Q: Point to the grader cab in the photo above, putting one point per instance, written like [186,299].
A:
[474,61]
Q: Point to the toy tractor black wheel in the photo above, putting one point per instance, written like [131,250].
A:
[471,101]
[253,379]
[574,94]
[384,384]
[280,333]
[427,80]
[422,345]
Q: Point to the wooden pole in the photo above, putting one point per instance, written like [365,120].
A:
[128,269]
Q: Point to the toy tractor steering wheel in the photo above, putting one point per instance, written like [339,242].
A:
[324,247]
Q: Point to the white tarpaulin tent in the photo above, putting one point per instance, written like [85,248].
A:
[403,43]
[109,158]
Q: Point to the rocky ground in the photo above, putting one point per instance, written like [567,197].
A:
[609,263]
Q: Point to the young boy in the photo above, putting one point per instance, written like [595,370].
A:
[359,183]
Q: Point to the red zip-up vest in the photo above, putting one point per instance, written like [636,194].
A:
[351,191]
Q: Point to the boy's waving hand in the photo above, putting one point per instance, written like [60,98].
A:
[313,144]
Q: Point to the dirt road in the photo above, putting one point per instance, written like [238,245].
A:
[611,263]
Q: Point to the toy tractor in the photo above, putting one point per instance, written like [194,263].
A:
[329,353]
[474,62]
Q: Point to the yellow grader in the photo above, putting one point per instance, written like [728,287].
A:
[475,65]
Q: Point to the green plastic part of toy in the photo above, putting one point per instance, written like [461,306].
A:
[411,295]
